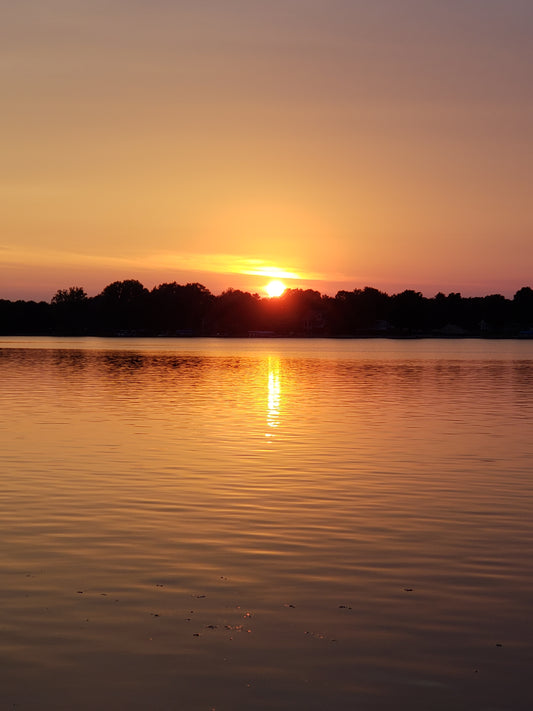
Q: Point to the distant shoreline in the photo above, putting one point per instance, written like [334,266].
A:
[376,337]
[127,308]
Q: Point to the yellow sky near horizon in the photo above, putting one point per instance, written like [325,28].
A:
[347,143]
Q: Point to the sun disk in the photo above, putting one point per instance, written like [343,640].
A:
[275,288]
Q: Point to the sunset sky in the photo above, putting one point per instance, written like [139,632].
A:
[333,143]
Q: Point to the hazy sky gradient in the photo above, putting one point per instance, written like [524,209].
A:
[351,143]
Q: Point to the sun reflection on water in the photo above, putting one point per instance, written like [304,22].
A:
[274,394]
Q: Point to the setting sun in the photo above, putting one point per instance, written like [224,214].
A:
[275,288]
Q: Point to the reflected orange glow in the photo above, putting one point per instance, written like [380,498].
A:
[274,394]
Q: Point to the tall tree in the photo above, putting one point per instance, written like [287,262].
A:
[70,310]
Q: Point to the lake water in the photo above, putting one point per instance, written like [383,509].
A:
[275,525]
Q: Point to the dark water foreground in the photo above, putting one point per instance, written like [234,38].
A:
[271,525]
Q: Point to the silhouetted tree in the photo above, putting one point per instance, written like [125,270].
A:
[408,311]
[296,312]
[70,310]
[235,312]
[72,295]
[444,311]
[361,309]
[25,318]
[523,306]
[175,308]
[496,312]
[122,307]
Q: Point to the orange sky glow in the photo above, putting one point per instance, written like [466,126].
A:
[332,145]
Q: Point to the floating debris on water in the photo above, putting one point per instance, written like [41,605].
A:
[316,635]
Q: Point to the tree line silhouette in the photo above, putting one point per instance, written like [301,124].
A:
[127,308]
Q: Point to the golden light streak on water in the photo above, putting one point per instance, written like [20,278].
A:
[274,394]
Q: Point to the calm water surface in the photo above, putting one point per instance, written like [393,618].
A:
[266,524]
